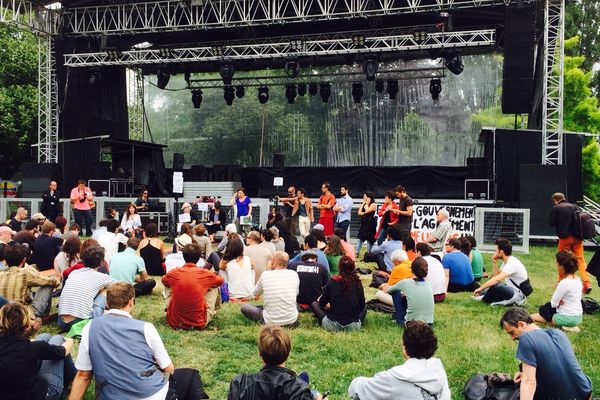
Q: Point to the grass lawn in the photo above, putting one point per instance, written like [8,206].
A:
[470,339]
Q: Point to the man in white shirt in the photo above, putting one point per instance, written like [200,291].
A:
[266,237]
[126,356]
[111,239]
[514,275]
[259,255]
[280,287]
[435,272]
[175,260]
[442,231]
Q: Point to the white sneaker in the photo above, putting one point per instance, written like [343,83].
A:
[477,298]
[574,329]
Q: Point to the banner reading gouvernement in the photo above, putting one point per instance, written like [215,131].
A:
[424,222]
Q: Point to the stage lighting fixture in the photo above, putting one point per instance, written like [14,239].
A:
[435,88]
[420,36]
[292,68]
[162,78]
[392,88]
[357,92]
[112,53]
[218,51]
[263,94]
[379,86]
[297,44]
[301,89]
[240,91]
[370,67]
[290,93]
[197,97]
[164,52]
[228,94]
[325,91]
[454,64]
[95,77]
[358,40]
[226,71]
[312,89]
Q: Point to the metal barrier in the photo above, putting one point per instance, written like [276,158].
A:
[509,223]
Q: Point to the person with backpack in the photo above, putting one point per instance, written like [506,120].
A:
[564,217]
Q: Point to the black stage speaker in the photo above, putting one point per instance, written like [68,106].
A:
[479,167]
[37,177]
[477,189]
[537,184]
[178,161]
[100,187]
[278,161]
[519,54]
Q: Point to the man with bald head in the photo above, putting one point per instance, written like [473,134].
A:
[280,287]
[259,255]
[16,222]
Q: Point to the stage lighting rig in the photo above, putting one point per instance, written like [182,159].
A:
[290,93]
[379,86]
[325,91]
[435,88]
[229,94]
[162,77]
[112,53]
[292,68]
[164,52]
[263,94]
[357,92]
[226,71]
[218,51]
[301,89]
[392,88]
[240,91]
[197,97]
[420,36]
[313,89]
[358,40]
[370,67]
[297,45]
[454,64]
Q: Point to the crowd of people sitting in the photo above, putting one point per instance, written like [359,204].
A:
[96,281]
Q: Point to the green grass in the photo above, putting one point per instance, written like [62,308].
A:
[470,340]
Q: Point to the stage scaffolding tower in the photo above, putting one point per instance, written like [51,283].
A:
[47,102]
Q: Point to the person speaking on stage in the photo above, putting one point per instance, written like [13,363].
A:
[243,206]
[51,202]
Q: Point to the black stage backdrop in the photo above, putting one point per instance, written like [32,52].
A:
[420,182]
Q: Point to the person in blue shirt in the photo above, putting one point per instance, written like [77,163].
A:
[459,274]
[381,253]
[343,208]
[549,368]
[127,266]
[310,245]
[243,206]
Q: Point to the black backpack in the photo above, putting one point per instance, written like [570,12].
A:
[589,305]
[491,387]
[585,225]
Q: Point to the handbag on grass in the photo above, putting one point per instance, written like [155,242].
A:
[496,386]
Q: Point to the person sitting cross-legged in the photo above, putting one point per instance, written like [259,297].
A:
[435,272]
[564,309]
[195,296]
[421,377]
[127,266]
[280,287]
[345,296]
[127,357]
[549,368]
[381,253]
[313,278]
[459,275]
[413,298]
[274,380]
[310,245]
[401,270]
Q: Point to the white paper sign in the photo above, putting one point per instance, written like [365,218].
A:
[185,217]
[202,206]
[178,182]
[278,181]
[424,222]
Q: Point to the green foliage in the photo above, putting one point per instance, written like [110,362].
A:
[591,170]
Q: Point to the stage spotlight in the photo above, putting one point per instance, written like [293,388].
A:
[162,78]
[218,51]
[420,36]
[312,89]
[301,89]
[197,97]
[290,93]
[454,64]
[379,86]
[392,88]
[226,71]
[325,91]
[263,94]
[435,88]
[370,67]
[358,40]
[240,91]
[95,77]
[229,95]
[164,52]
[292,68]
[297,44]
[112,53]
[357,92]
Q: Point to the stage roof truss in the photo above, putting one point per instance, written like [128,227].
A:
[177,15]
[30,16]
[284,50]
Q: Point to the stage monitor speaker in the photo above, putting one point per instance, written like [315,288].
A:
[519,58]
[278,161]
[178,161]
[537,184]
[100,187]
[479,168]
[477,189]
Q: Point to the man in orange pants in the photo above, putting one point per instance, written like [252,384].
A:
[562,217]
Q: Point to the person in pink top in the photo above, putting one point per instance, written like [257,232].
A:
[81,197]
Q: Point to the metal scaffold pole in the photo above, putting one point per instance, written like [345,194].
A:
[47,102]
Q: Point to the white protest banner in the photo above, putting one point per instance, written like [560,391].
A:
[424,221]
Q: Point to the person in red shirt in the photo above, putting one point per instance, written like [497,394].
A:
[325,206]
[388,217]
[195,295]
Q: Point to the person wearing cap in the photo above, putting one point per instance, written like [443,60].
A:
[176,260]
[442,231]
[39,217]
[16,222]
[187,209]
[51,202]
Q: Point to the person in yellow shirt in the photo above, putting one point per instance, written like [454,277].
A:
[401,270]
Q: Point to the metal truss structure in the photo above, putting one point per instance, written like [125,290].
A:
[340,77]
[177,15]
[47,102]
[135,102]
[282,50]
[29,16]
[554,59]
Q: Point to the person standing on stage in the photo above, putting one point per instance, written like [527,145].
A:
[243,206]
[404,211]
[289,203]
[141,204]
[343,208]
[325,205]
[81,197]
[303,209]
[51,202]
[368,222]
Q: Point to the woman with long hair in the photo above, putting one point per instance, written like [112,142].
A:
[346,299]
[291,243]
[131,222]
[34,370]
[152,250]
[368,222]
[68,256]
[334,252]
[237,269]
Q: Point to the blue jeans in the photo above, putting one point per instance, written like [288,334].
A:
[334,326]
[344,227]
[382,236]
[58,374]
[400,304]
[97,311]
